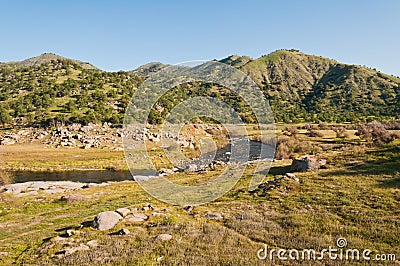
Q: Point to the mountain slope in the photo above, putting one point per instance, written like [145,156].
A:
[306,87]
[50,89]
[47,58]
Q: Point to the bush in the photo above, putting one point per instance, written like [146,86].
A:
[340,132]
[314,133]
[288,147]
[292,131]
[376,133]
[5,178]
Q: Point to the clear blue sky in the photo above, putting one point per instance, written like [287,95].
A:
[115,35]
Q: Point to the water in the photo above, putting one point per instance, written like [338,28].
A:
[99,176]
[85,176]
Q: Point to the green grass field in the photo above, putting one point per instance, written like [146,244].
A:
[357,196]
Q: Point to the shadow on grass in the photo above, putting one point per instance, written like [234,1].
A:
[377,162]
[390,183]
[276,170]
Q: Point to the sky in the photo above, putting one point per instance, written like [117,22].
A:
[122,35]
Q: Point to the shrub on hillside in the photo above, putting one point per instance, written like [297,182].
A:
[289,147]
[340,132]
[292,131]
[314,133]
[5,178]
[376,133]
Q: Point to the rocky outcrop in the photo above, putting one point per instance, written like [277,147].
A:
[106,220]
[307,163]
[48,187]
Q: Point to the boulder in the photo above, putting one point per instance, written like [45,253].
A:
[106,220]
[214,216]
[136,217]
[307,163]
[123,211]
[92,243]
[163,237]
[72,198]
[147,207]
[69,251]
[292,176]
[123,232]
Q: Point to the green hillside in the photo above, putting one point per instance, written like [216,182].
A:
[49,89]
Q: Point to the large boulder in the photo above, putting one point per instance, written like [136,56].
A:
[106,220]
[307,163]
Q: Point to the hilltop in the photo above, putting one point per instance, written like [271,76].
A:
[49,89]
[47,58]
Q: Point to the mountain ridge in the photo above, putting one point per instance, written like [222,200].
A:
[300,88]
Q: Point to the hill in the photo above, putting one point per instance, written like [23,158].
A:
[49,89]
[303,87]
[47,58]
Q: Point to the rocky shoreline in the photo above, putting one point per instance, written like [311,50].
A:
[48,187]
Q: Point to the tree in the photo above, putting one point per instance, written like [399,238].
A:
[5,117]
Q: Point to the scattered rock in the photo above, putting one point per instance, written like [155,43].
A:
[33,187]
[69,251]
[61,239]
[136,217]
[106,220]
[91,185]
[165,172]
[158,214]
[123,211]
[93,243]
[214,216]
[72,198]
[70,232]
[3,254]
[147,207]
[163,237]
[191,167]
[307,163]
[292,176]
[188,208]
[123,232]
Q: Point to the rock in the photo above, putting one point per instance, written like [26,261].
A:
[158,214]
[214,216]
[72,198]
[24,194]
[93,243]
[165,172]
[106,220]
[307,163]
[61,239]
[188,208]
[147,207]
[136,217]
[123,232]
[70,232]
[69,251]
[163,237]
[91,185]
[123,211]
[191,167]
[292,176]
[144,177]
[3,254]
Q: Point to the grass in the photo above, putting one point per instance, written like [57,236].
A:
[38,157]
[5,178]
[356,197]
